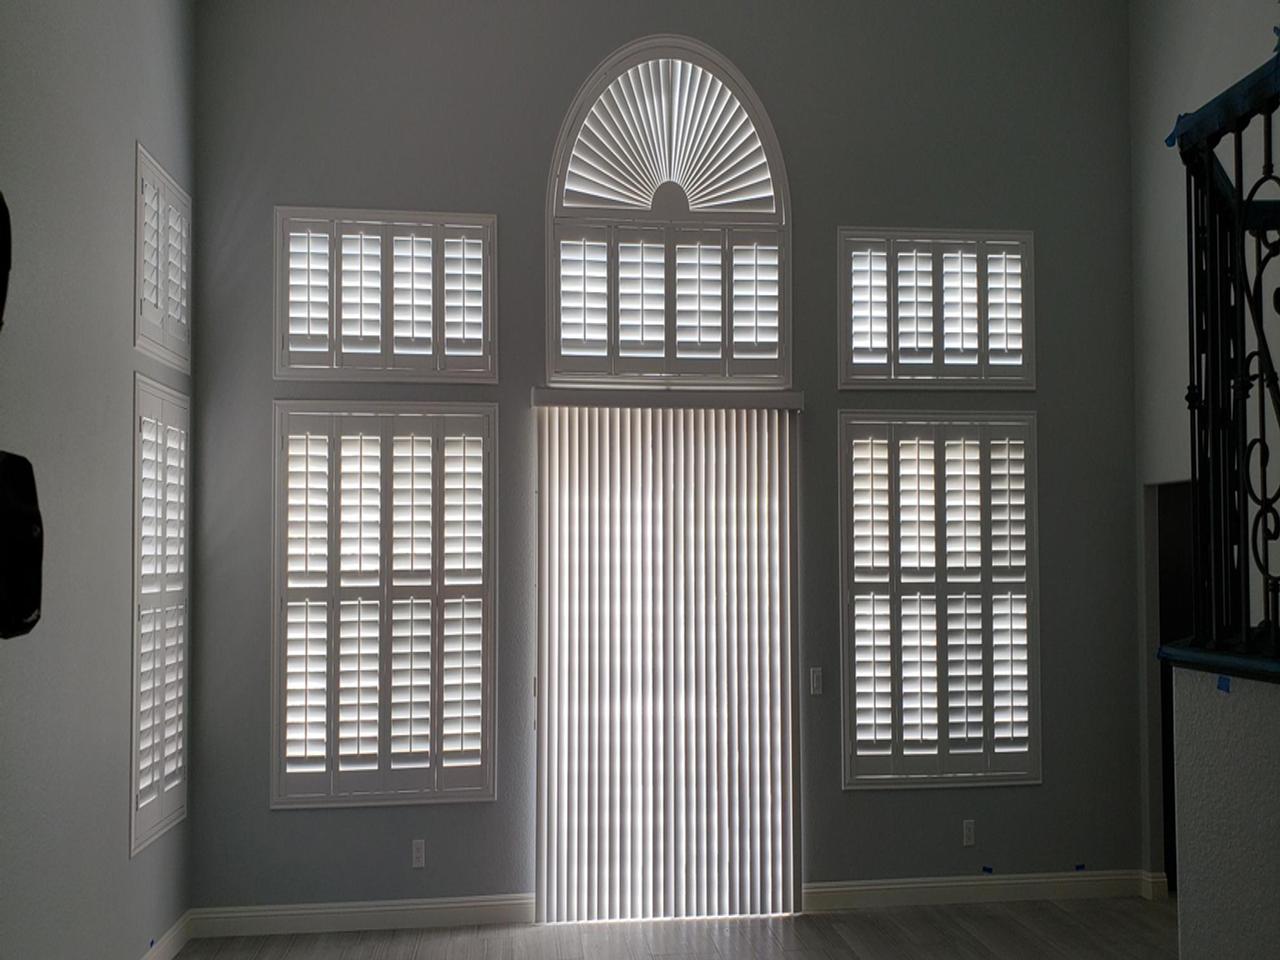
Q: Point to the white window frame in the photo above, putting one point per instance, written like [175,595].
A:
[897,769]
[442,364]
[385,786]
[938,374]
[159,331]
[615,224]
[169,409]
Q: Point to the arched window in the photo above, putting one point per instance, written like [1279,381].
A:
[668,228]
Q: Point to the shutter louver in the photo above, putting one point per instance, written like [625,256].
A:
[361,311]
[641,299]
[699,300]
[926,705]
[755,301]
[463,509]
[411,640]
[306,659]
[308,292]
[462,684]
[960,306]
[1004,307]
[584,298]
[174,706]
[873,675]
[464,296]
[358,646]
[151,531]
[413,305]
[665,751]
[869,305]
[411,510]
[359,534]
[915,307]
[384,661]
[150,654]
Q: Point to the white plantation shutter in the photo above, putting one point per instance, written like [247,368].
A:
[365,294]
[642,282]
[949,307]
[756,292]
[360,299]
[160,610]
[939,650]
[665,710]
[699,300]
[162,309]
[584,298]
[385,637]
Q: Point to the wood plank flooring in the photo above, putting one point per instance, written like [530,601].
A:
[1115,929]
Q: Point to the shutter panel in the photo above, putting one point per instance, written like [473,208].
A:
[150,655]
[919,675]
[872,675]
[307,536]
[358,707]
[463,683]
[151,531]
[360,304]
[413,280]
[870,502]
[917,535]
[464,295]
[960,306]
[756,291]
[306,664]
[915,306]
[1008,509]
[642,277]
[964,673]
[963,508]
[411,511]
[174,706]
[1010,672]
[152,243]
[177,278]
[869,305]
[307,337]
[411,690]
[463,510]
[584,298]
[360,485]
[699,300]
[1004,304]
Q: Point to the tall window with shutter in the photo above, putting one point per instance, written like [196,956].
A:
[936,309]
[938,609]
[161,468]
[367,294]
[385,612]
[162,264]
[668,230]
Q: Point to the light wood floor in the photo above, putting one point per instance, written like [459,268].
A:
[1118,929]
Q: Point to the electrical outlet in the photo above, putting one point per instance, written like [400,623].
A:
[815,681]
[968,833]
[419,854]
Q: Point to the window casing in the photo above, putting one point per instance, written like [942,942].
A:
[162,453]
[384,625]
[939,597]
[668,245]
[364,294]
[162,265]
[939,308]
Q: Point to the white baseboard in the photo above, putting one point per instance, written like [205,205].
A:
[1155,886]
[360,915]
[846,895]
[174,939]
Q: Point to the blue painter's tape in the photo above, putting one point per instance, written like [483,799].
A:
[987,870]
[1079,867]
[1224,684]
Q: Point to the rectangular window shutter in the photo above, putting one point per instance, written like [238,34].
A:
[360,300]
[756,291]
[160,623]
[641,300]
[367,294]
[956,307]
[162,271]
[385,663]
[699,300]
[584,298]
[413,282]
[938,573]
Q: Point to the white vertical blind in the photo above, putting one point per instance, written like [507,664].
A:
[160,610]
[922,306]
[385,633]
[664,674]
[938,649]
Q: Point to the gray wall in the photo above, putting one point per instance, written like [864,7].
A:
[79,83]
[1227,773]
[986,114]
